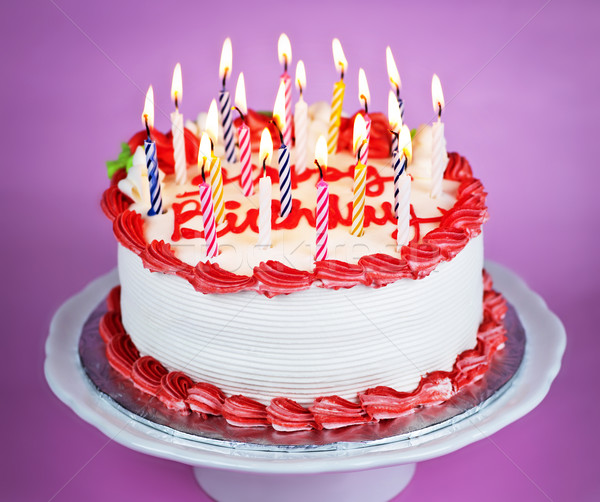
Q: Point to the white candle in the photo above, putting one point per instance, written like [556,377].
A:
[177,127]
[439,156]
[300,120]
[403,186]
[265,191]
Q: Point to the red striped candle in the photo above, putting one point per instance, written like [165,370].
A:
[322,219]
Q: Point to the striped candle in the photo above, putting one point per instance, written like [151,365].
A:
[227,123]
[208,218]
[322,219]
[287,128]
[301,127]
[399,164]
[335,118]
[337,102]
[216,183]
[285,181]
[153,180]
[358,202]
[364,153]
[245,159]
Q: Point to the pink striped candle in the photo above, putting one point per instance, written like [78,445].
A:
[245,159]
[208,217]
[244,137]
[322,222]
[284,50]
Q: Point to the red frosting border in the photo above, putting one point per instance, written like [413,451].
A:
[177,391]
[417,259]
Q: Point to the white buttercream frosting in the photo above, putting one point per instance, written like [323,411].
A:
[310,343]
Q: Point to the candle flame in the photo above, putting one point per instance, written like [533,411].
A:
[204,150]
[148,113]
[321,152]
[405,142]
[279,108]
[226,60]
[240,94]
[300,76]
[437,95]
[360,132]
[394,117]
[338,56]
[364,96]
[392,69]
[212,122]
[284,50]
[266,147]
[177,85]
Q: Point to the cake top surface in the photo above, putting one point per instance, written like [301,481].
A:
[173,242]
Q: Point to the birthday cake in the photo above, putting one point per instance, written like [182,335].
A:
[268,322]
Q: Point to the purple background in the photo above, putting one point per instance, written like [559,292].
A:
[526,119]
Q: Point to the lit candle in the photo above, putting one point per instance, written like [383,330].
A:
[364,97]
[337,102]
[264,191]
[150,151]
[395,122]
[403,185]
[216,176]
[225,101]
[244,137]
[301,120]
[284,49]
[177,127]
[206,203]
[322,216]
[394,78]
[439,156]
[285,178]
[360,178]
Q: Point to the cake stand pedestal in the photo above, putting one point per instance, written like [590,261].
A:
[373,472]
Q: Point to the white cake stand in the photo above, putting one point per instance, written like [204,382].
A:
[371,473]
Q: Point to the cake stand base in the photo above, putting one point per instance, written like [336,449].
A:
[374,485]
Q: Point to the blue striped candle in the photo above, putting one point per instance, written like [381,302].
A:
[285,180]
[399,163]
[154,182]
[227,122]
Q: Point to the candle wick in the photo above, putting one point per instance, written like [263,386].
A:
[300,86]
[439,111]
[240,112]
[176,103]
[342,72]
[320,168]
[212,146]
[225,77]
[397,135]
[278,130]
[285,63]
[203,164]
[264,166]
[364,142]
[147,127]
[364,98]
[397,91]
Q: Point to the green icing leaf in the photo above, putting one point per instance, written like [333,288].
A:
[413,132]
[123,161]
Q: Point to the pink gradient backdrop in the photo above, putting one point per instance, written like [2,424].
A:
[527,121]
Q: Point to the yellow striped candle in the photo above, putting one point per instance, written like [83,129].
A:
[216,186]
[360,178]
[337,102]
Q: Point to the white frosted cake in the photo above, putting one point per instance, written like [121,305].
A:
[269,336]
